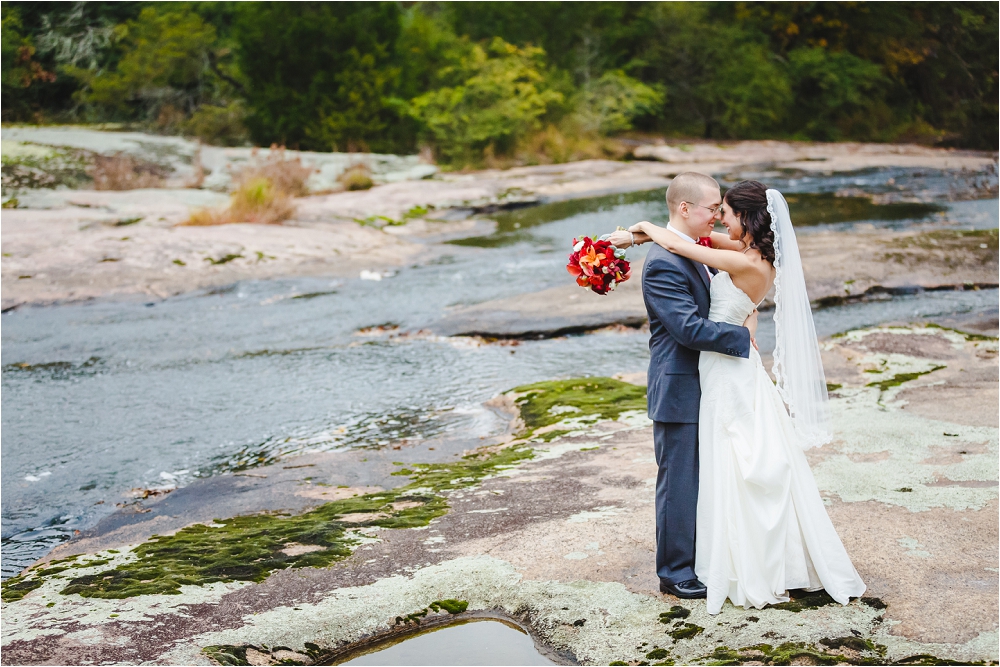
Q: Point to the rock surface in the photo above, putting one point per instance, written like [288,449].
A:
[68,241]
[809,157]
[562,543]
[212,167]
[839,266]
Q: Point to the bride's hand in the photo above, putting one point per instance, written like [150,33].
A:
[620,239]
[751,324]
[662,236]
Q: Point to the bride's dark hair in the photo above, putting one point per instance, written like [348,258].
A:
[749,199]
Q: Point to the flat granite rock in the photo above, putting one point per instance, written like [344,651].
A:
[840,267]
[562,542]
[552,312]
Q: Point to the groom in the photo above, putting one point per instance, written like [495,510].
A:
[676,293]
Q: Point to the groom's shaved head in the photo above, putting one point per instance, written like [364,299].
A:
[690,187]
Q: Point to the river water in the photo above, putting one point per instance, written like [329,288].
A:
[104,397]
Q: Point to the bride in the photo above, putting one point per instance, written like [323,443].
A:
[762,529]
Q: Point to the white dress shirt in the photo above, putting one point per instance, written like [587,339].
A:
[689,240]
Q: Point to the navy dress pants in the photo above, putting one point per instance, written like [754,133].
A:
[676,449]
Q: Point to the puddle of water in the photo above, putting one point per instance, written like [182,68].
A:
[962,310]
[816,201]
[512,226]
[891,184]
[809,210]
[483,642]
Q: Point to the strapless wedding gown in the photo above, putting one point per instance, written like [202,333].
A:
[762,528]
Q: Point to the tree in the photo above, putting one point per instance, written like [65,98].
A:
[501,97]
[837,95]
[163,71]
[20,69]
[318,75]
[611,103]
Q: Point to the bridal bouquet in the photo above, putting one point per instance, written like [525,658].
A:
[598,265]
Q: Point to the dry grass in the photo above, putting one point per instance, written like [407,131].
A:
[550,145]
[357,177]
[554,145]
[257,201]
[287,176]
[124,172]
[264,192]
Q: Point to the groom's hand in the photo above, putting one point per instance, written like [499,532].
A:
[751,323]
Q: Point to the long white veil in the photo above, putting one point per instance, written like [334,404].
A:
[798,367]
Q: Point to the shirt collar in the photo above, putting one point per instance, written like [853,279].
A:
[680,233]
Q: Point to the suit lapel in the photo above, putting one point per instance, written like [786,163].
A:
[700,270]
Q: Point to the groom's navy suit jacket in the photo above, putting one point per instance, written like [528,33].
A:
[676,293]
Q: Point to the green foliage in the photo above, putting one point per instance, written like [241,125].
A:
[162,71]
[611,103]
[751,92]
[527,81]
[319,75]
[20,69]
[837,94]
[939,59]
[501,97]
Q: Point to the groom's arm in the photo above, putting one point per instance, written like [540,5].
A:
[670,298]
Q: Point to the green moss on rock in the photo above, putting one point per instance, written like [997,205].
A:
[801,600]
[228,655]
[450,606]
[599,397]
[676,612]
[15,588]
[862,652]
[686,631]
[900,378]
[249,548]
[968,336]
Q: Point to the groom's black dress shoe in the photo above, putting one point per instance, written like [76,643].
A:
[687,590]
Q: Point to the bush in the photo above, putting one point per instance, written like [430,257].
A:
[501,98]
[289,177]
[263,192]
[258,200]
[255,201]
[357,177]
[219,125]
[124,172]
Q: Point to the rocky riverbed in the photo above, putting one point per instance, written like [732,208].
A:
[263,444]
[551,527]
[64,244]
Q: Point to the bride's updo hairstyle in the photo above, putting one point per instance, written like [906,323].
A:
[749,200]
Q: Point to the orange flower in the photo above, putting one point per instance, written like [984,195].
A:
[590,260]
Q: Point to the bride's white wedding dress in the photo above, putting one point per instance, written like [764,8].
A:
[762,528]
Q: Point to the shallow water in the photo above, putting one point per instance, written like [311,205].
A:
[107,396]
[484,642]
